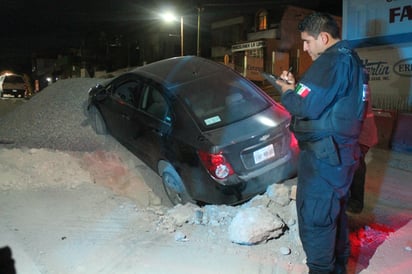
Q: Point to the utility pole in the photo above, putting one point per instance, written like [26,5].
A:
[199,10]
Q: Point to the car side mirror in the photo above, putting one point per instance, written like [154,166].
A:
[100,92]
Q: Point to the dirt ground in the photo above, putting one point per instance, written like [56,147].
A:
[65,212]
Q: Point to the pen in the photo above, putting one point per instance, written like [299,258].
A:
[290,70]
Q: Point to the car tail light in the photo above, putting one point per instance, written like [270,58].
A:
[293,140]
[216,164]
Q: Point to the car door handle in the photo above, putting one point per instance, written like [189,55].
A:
[157,131]
[125,116]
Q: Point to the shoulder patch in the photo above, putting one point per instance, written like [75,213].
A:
[302,90]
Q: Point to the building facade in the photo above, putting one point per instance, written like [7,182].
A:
[264,40]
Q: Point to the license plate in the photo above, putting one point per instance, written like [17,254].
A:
[263,154]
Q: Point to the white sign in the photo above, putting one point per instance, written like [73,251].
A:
[373,18]
[390,71]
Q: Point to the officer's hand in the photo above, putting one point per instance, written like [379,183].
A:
[286,81]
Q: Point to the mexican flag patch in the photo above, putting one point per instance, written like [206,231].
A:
[302,90]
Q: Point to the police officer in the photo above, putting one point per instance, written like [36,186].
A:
[327,109]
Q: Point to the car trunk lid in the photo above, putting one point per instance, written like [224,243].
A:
[253,142]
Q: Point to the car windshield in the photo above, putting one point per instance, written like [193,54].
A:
[220,100]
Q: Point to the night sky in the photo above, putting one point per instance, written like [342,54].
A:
[29,26]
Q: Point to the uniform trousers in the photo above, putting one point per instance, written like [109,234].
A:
[322,194]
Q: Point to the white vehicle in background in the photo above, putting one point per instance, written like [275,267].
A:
[12,85]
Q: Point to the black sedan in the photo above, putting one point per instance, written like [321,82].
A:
[212,135]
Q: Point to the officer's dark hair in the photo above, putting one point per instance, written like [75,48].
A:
[318,22]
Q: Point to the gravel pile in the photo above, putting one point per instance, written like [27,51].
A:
[55,118]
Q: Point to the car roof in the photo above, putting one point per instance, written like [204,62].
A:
[179,70]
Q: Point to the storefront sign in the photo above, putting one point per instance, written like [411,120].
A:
[376,18]
[403,67]
[248,46]
[254,68]
[390,71]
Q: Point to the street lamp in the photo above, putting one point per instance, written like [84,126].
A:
[170,17]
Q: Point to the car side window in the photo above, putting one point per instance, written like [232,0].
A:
[127,92]
[153,102]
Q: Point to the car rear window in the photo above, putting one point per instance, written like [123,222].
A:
[14,79]
[221,99]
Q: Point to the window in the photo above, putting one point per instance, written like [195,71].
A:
[127,92]
[14,79]
[262,20]
[154,103]
[228,99]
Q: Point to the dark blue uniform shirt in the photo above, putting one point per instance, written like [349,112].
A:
[333,75]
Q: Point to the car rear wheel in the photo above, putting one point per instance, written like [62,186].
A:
[174,187]
[97,121]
